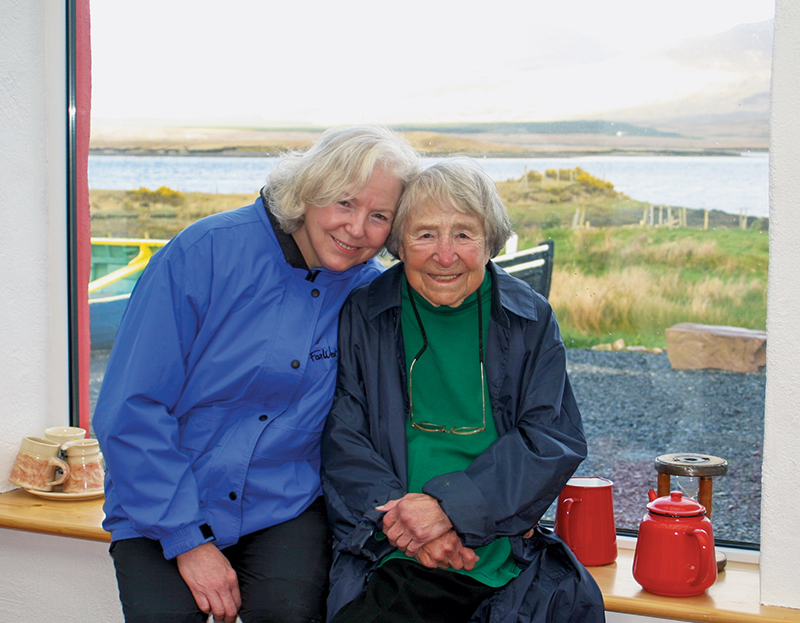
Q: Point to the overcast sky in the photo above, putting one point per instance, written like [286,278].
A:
[355,61]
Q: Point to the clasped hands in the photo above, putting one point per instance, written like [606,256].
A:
[417,526]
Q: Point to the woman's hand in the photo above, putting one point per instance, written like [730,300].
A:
[447,552]
[212,580]
[414,520]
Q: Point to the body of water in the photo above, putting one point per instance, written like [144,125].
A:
[729,183]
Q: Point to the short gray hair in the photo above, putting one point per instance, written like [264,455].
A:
[459,184]
[336,167]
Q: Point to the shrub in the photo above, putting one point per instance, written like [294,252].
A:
[162,195]
[534,176]
[590,181]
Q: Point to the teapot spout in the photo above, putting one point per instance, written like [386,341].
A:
[652,495]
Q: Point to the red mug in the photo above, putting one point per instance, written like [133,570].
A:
[585,520]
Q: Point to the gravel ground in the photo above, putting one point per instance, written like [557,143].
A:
[635,407]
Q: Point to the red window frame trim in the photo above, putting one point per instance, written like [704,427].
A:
[79,93]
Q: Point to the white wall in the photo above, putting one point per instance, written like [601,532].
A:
[780,509]
[33,334]
[53,578]
[33,371]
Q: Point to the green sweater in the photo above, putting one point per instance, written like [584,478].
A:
[446,387]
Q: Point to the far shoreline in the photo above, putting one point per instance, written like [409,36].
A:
[253,143]
[544,153]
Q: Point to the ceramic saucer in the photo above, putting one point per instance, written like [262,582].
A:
[60,495]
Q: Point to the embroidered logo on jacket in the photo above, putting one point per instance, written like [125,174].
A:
[326,352]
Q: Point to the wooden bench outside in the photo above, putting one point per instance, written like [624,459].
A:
[698,346]
[534,266]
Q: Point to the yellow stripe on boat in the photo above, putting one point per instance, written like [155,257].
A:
[146,250]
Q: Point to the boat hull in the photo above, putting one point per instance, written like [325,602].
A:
[105,315]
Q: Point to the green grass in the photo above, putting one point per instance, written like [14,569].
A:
[616,278]
[633,283]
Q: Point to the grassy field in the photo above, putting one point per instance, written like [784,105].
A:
[614,277]
[633,283]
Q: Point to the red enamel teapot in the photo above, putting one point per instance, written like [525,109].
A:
[675,550]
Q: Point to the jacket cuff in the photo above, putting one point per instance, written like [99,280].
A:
[186,539]
[465,506]
[364,543]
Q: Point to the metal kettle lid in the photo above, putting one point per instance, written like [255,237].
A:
[675,505]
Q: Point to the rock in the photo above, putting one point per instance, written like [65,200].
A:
[618,344]
[601,347]
[697,346]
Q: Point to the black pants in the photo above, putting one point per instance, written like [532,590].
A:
[282,570]
[403,591]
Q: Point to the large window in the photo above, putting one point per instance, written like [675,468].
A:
[658,216]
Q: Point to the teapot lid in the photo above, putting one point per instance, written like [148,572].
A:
[675,505]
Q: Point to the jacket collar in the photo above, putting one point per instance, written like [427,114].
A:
[291,252]
[511,294]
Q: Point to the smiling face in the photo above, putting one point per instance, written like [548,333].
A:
[445,254]
[350,231]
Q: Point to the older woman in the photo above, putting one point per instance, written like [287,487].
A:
[219,383]
[453,428]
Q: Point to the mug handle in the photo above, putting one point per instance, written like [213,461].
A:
[64,471]
[707,556]
[567,506]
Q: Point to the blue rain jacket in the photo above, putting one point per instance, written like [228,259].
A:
[218,385]
[504,492]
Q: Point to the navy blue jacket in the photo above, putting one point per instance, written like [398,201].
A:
[504,492]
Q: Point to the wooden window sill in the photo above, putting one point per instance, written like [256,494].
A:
[734,598]
[79,519]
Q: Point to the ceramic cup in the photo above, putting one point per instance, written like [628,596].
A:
[585,520]
[63,434]
[86,471]
[37,463]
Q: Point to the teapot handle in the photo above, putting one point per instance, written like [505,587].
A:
[707,555]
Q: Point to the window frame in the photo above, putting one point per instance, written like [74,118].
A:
[73,290]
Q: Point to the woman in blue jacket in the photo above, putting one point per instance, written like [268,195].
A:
[453,429]
[218,385]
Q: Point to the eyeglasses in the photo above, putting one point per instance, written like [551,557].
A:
[440,428]
[428,427]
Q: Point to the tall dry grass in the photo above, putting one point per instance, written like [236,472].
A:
[636,301]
